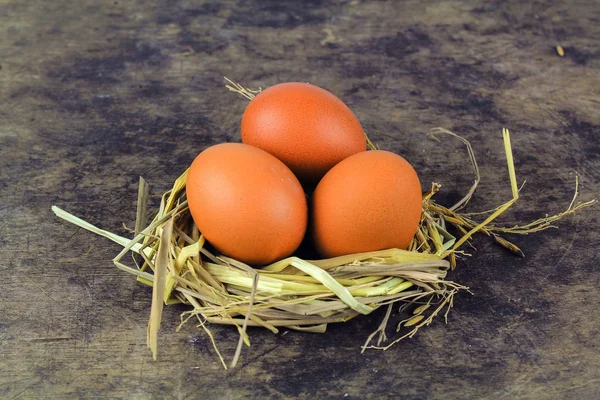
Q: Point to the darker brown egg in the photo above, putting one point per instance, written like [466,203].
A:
[306,127]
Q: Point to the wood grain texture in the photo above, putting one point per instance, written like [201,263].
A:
[94,94]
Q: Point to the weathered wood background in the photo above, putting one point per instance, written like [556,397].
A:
[94,94]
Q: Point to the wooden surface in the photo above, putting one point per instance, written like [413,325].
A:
[94,94]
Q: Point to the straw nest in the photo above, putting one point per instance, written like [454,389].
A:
[306,295]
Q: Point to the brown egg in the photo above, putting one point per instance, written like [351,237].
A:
[370,201]
[306,127]
[246,203]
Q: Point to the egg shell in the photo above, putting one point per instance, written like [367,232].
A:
[305,126]
[246,203]
[370,201]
